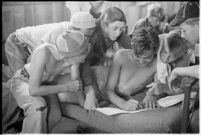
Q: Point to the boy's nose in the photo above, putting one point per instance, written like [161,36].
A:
[117,32]
[182,35]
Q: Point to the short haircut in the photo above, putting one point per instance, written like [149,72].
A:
[144,40]
[192,21]
[155,10]
[113,14]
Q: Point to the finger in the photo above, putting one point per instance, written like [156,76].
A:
[133,105]
[149,85]
[133,101]
[139,106]
[146,105]
[151,90]
[150,105]
[154,105]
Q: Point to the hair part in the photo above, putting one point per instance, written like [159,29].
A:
[144,40]
[112,14]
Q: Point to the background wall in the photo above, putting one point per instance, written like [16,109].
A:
[16,15]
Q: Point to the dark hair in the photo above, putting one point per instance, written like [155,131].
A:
[112,14]
[144,40]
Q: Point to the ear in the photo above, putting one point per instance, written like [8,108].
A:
[103,25]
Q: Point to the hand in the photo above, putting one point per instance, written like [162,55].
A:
[130,105]
[74,86]
[90,101]
[153,88]
[172,77]
[150,102]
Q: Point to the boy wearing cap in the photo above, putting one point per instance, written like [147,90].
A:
[38,78]
[59,49]
[85,23]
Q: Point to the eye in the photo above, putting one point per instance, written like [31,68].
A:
[115,28]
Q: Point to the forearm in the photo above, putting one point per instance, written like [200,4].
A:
[75,72]
[114,98]
[89,91]
[44,90]
[191,71]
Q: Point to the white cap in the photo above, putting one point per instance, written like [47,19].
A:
[83,20]
[71,41]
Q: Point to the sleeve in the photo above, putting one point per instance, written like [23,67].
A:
[86,71]
[86,74]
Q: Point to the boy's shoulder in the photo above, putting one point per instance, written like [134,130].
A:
[123,54]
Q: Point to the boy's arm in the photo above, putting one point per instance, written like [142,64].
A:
[75,72]
[88,81]
[38,62]
[113,78]
[191,71]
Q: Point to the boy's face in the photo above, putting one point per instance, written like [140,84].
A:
[143,61]
[155,22]
[114,29]
[190,33]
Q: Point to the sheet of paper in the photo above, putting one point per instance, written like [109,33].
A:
[172,100]
[114,111]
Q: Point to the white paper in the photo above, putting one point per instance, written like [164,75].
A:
[114,111]
[172,100]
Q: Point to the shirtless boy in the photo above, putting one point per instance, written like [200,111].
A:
[132,69]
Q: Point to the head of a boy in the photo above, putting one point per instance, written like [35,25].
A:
[155,14]
[83,22]
[113,22]
[144,43]
[190,30]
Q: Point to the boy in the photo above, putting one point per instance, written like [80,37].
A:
[45,61]
[189,31]
[132,69]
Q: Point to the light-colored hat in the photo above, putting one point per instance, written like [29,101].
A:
[83,20]
[72,45]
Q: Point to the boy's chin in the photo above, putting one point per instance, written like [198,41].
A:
[143,64]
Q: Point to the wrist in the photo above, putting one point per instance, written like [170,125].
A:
[89,90]
[176,70]
[121,104]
